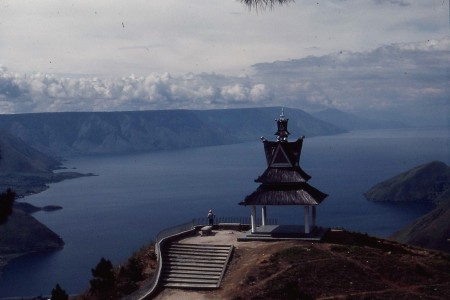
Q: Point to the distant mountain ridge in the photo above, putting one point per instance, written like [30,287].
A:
[348,121]
[85,133]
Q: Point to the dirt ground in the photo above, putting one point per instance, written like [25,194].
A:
[350,266]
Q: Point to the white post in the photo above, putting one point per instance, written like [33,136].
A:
[314,216]
[253,218]
[307,219]
[263,215]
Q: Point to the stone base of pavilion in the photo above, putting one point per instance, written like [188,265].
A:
[284,232]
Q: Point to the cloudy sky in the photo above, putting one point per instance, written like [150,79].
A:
[364,56]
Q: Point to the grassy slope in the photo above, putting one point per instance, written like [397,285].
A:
[346,265]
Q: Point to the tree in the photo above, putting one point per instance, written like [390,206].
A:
[6,204]
[135,269]
[59,294]
[103,283]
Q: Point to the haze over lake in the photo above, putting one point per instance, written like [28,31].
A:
[135,196]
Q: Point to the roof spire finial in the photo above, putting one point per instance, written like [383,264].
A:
[282,123]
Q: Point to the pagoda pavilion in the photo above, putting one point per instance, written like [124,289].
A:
[283,183]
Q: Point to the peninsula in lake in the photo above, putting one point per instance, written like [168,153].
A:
[428,183]
[26,171]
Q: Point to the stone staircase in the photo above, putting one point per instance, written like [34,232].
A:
[194,265]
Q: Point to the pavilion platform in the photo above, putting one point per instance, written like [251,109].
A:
[284,232]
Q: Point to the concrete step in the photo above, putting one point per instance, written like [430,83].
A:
[193,268]
[195,264]
[198,256]
[192,254]
[193,276]
[189,286]
[190,280]
[175,260]
[199,245]
[199,251]
[191,272]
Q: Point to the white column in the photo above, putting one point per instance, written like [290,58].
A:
[253,218]
[306,219]
[263,215]
[314,216]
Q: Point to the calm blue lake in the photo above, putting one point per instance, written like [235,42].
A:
[135,196]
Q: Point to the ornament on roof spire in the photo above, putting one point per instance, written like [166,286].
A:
[282,123]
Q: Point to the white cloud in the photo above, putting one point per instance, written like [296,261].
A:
[258,92]
[45,92]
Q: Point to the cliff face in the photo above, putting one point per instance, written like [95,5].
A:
[72,133]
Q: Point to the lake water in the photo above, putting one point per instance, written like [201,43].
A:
[135,196]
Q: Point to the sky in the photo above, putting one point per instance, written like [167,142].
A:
[381,58]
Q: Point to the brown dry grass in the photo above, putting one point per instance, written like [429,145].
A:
[344,266]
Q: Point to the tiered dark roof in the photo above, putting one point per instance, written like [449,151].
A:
[284,182]
[283,162]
